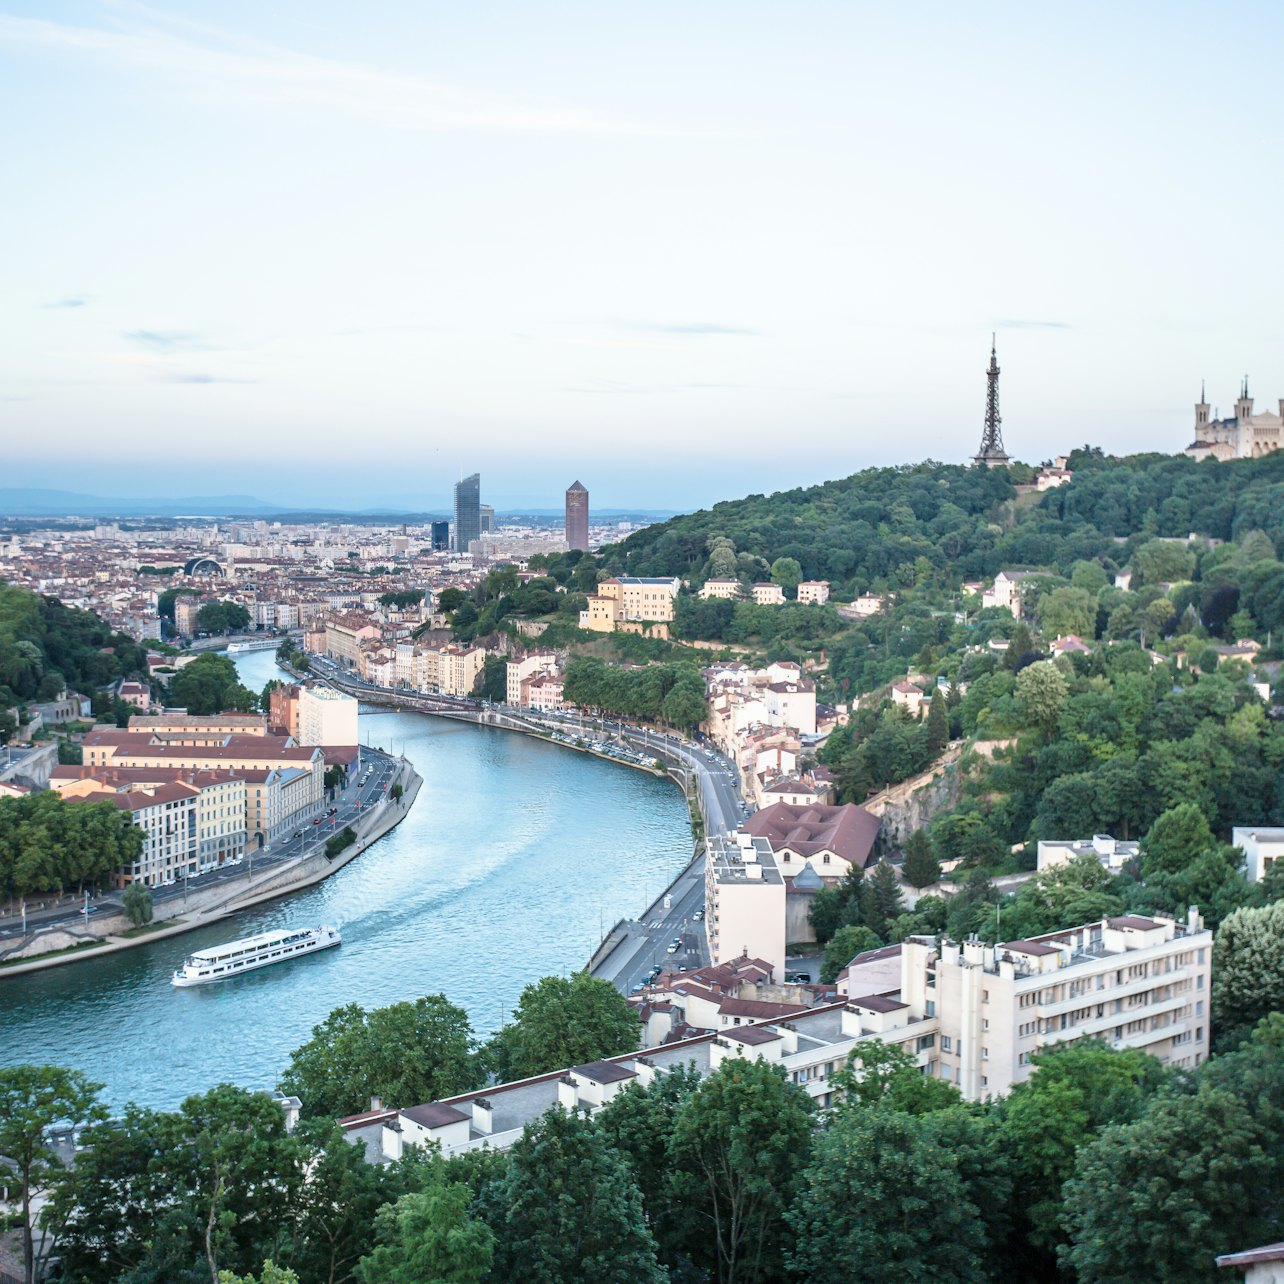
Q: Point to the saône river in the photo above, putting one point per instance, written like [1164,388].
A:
[513,856]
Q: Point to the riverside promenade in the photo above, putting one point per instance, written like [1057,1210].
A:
[109,932]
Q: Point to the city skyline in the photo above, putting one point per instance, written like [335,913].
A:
[287,244]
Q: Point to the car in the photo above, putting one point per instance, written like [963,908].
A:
[673,948]
[798,978]
[698,915]
[317,821]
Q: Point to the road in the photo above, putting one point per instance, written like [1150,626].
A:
[361,792]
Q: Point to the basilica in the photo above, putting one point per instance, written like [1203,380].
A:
[1246,436]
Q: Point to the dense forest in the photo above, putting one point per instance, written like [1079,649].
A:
[46,647]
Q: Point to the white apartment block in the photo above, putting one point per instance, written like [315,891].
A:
[1134,982]
[744,898]
[719,588]
[1261,845]
[1113,853]
[327,717]
[1150,977]
[815,592]
[766,594]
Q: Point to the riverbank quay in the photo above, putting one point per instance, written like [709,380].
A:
[207,905]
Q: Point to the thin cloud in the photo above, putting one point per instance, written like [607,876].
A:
[67,303]
[164,340]
[211,60]
[1035,325]
[686,327]
[615,386]
[194,378]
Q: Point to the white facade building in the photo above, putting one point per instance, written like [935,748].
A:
[744,898]
[327,717]
[1261,845]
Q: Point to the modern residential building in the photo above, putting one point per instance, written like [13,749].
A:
[971,1014]
[467,512]
[1262,847]
[814,591]
[327,716]
[486,513]
[1111,852]
[744,899]
[577,517]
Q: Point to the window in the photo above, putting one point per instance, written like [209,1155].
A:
[929,1008]
[985,1053]
[946,1043]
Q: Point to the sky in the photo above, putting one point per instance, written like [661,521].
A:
[336,254]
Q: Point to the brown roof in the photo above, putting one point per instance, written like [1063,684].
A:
[810,828]
[604,1072]
[752,1034]
[1029,947]
[435,1115]
[759,1009]
[1133,921]
[877,1003]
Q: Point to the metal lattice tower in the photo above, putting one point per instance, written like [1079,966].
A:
[992,453]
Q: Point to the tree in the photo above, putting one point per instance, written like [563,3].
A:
[847,942]
[916,1220]
[210,685]
[881,900]
[1067,611]
[450,599]
[32,1099]
[920,868]
[1178,837]
[1041,694]
[271,1274]
[1194,1177]
[407,1053]
[221,617]
[573,1211]
[786,572]
[738,1146]
[137,904]
[1248,967]
[492,682]
[563,1021]
[638,1123]
[428,1236]
[826,912]
[885,1075]
[1074,1092]
[396,791]
[938,724]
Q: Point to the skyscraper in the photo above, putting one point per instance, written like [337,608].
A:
[467,512]
[577,501]
[440,536]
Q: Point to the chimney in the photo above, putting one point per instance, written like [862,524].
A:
[483,1115]
[376,1103]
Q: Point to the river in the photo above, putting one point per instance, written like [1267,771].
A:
[515,855]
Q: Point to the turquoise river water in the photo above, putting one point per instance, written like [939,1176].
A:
[514,856]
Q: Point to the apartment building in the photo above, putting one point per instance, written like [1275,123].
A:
[719,588]
[283,710]
[167,815]
[1152,973]
[744,899]
[220,805]
[767,594]
[544,694]
[522,670]
[344,635]
[813,592]
[1262,847]
[327,716]
[1134,982]
[190,729]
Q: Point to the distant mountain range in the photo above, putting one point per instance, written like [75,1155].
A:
[30,502]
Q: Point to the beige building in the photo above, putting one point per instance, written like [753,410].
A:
[909,697]
[166,814]
[1246,436]
[719,588]
[344,635]
[327,717]
[525,668]
[744,897]
[1134,982]
[767,594]
[814,591]
[184,728]
[631,604]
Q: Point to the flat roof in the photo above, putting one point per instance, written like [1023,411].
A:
[752,1034]
[435,1114]
[604,1072]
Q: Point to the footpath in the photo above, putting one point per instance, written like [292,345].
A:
[219,902]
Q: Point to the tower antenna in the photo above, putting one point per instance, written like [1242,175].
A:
[992,454]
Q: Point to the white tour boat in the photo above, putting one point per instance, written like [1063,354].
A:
[254,951]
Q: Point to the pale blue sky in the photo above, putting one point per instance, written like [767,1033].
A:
[327,253]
